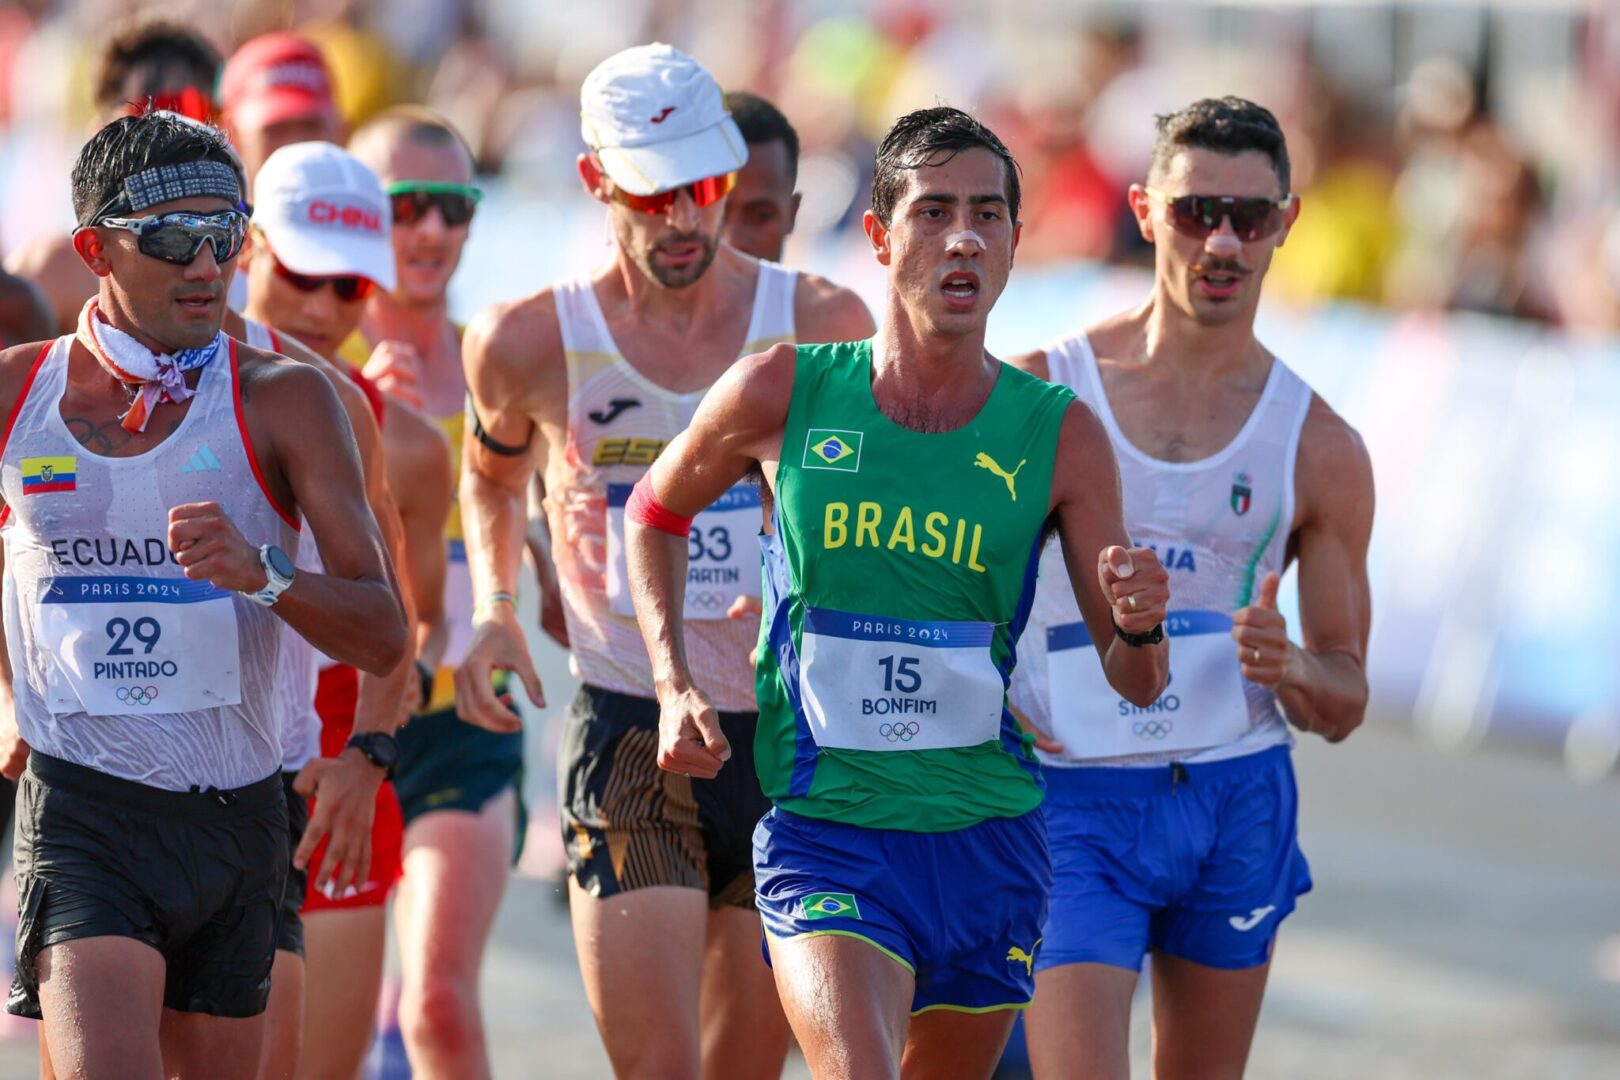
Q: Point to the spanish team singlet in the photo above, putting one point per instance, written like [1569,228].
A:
[897,584]
[618,422]
[295,677]
[1218,525]
[120,663]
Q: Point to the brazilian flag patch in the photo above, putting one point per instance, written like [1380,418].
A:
[828,448]
[831,905]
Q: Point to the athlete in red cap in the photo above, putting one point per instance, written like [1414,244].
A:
[277,91]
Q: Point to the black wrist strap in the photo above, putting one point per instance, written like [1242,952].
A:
[1137,641]
[362,742]
[488,442]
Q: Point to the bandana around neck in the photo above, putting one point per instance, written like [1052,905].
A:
[160,377]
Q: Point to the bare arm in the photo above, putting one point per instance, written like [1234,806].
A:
[1104,570]
[513,358]
[352,613]
[738,424]
[419,468]
[1322,685]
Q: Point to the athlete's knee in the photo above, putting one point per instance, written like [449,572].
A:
[442,1014]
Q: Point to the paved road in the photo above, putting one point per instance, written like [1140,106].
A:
[1465,924]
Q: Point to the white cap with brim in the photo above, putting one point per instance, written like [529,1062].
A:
[325,213]
[657,120]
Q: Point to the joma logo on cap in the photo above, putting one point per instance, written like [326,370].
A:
[662,116]
[322,212]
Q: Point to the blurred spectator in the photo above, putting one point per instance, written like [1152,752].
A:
[276,91]
[143,62]
[761,209]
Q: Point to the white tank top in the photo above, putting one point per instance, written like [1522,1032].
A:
[1219,525]
[295,681]
[618,422]
[120,663]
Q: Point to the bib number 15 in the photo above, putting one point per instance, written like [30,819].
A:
[144,630]
[900,674]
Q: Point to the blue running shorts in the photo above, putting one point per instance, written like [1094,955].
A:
[1198,861]
[961,910]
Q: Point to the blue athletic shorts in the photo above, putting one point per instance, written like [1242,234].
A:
[1198,861]
[961,910]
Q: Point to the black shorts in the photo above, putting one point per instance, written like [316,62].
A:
[446,763]
[290,930]
[196,875]
[629,825]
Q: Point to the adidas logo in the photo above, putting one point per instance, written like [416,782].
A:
[202,460]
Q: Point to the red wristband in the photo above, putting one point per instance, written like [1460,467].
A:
[644,508]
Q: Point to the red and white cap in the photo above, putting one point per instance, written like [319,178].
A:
[325,213]
[656,120]
[276,77]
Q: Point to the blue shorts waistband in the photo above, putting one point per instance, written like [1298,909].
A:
[1144,780]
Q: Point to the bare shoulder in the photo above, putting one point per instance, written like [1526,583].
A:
[1085,465]
[513,351]
[755,392]
[271,381]
[421,445]
[354,399]
[1031,363]
[16,365]
[824,311]
[1334,471]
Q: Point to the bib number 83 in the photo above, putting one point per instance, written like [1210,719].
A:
[144,630]
[715,545]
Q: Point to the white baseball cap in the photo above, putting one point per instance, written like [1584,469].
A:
[656,120]
[325,213]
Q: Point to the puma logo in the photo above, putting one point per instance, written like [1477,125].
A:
[1240,923]
[1025,958]
[614,408]
[985,461]
[661,117]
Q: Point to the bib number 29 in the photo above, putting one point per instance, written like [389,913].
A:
[144,630]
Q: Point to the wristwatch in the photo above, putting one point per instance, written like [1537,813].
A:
[380,748]
[278,574]
[1136,641]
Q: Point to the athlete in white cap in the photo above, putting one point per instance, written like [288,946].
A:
[154,473]
[322,246]
[589,379]
[1172,826]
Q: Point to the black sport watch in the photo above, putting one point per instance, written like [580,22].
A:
[1136,641]
[380,748]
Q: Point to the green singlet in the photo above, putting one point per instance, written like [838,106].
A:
[896,586]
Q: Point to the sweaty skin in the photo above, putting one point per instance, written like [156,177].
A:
[930,373]
[1182,373]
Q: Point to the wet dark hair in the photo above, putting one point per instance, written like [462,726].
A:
[1228,125]
[151,43]
[920,138]
[761,122]
[132,144]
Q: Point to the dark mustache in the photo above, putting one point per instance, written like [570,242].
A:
[1220,266]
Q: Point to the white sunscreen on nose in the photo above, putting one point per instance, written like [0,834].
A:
[966,236]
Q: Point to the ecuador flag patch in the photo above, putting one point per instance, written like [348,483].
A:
[43,474]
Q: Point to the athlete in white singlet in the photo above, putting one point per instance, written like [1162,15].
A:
[313,272]
[589,380]
[1172,826]
[153,471]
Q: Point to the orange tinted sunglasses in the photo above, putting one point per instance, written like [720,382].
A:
[705,192]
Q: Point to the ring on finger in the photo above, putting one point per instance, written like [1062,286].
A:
[1131,600]
[1254,656]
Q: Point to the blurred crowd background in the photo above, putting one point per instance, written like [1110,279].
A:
[1451,156]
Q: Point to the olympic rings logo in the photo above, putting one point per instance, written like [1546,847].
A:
[904,731]
[137,695]
[709,601]
[1152,729]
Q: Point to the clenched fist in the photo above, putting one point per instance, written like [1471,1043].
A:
[1136,585]
[209,547]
